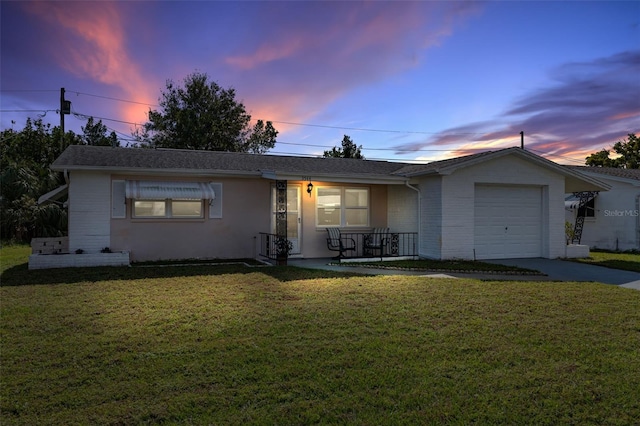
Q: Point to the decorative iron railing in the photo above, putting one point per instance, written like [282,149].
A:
[272,247]
[396,244]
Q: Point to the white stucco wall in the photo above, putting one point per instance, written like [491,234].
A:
[89,211]
[246,205]
[430,233]
[245,213]
[402,209]
[616,224]
[447,222]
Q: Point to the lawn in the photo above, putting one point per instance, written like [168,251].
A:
[626,261]
[238,345]
[457,265]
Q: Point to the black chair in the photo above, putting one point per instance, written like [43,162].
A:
[376,242]
[336,242]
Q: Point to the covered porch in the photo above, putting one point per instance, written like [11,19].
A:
[342,218]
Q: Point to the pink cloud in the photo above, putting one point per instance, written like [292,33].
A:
[314,53]
[92,44]
[266,53]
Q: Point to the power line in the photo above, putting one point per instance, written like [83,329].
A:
[86,116]
[557,156]
[386,149]
[27,110]
[123,136]
[370,130]
[291,123]
[112,99]
[29,90]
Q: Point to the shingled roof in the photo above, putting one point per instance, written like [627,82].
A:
[177,161]
[83,157]
[633,174]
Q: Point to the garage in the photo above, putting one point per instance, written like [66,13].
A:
[507,221]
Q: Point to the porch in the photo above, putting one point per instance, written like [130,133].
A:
[396,245]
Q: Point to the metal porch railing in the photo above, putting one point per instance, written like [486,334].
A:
[269,246]
[399,244]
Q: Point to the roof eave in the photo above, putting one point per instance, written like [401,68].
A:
[337,178]
[157,171]
[596,175]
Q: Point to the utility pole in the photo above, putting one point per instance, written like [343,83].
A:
[65,109]
[522,140]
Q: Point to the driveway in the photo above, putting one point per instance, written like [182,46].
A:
[562,270]
[556,270]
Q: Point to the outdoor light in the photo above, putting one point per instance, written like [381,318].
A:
[309,188]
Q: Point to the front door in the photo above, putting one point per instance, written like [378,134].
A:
[293,215]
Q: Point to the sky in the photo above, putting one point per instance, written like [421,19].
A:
[409,81]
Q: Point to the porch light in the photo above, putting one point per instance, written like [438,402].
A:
[309,188]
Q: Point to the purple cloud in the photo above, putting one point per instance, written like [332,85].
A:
[314,52]
[590,106]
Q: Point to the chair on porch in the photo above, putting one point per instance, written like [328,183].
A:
[335,242]
[376,242]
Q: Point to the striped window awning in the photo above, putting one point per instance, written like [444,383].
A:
[573,201]
[154,190]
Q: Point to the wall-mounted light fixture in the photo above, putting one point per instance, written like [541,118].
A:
[309,188]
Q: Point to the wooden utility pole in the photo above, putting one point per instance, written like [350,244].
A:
[522,139]
[65,109]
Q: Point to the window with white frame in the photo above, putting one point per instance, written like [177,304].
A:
[339,206]
[158,199]
[167,209]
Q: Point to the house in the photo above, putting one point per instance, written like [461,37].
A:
[612,218]
[171,204]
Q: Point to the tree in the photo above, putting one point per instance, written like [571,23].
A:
[96,134]
[600,159]
[628,155]
[25,158]
[203,115]
[349,150]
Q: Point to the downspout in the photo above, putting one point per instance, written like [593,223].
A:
[406,183]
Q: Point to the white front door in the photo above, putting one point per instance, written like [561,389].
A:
[293,215]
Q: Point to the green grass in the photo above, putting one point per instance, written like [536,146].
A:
[444,265]
[626,261]
[237,345]
[14,255]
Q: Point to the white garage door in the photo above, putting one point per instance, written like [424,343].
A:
[508,221]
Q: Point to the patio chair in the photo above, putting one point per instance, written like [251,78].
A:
[336,242]
[376,242]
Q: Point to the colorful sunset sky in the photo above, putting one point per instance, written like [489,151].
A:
[423,80]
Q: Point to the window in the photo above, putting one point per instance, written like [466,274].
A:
[167,208]
[337,206]
[160,199]
[589,209]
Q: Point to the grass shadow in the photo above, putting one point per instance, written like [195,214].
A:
[20,275]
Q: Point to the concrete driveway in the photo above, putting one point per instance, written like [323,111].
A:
[562,270]
[556,270]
